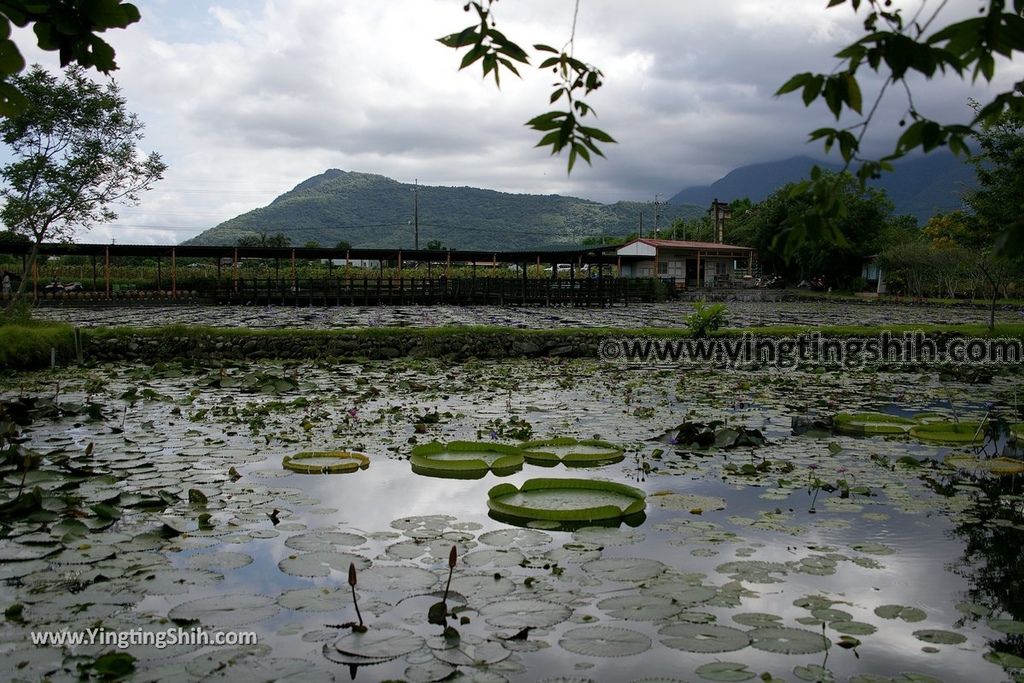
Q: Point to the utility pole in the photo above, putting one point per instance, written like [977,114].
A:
[416,214]
[657,214]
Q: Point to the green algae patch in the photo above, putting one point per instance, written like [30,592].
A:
[465,459]
[571,452]
[566,500]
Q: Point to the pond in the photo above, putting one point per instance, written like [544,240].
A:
[165,504]
[669,314]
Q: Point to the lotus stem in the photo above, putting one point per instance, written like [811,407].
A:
[352,584]
[452,557]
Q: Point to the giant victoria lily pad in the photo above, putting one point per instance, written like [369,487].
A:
[565,500]
[465,459]
[325,462]
[950,433]
[571,452]
[866,424]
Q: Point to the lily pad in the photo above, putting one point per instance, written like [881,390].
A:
[325,462]
[725,671]
[379,643]
[788,641]
[705,638]
[465,459]
[566,500]
[639,607]
[571,453]
[604,641]
[321,563]
[225,610]
[939,636]
[908,614]
[861,424]
[950,433]
[525,612]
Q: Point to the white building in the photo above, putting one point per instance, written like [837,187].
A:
[691,264]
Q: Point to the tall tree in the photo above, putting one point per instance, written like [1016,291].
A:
[76,156]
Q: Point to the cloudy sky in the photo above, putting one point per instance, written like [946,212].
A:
[246,98]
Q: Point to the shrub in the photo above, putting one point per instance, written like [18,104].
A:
[706,318]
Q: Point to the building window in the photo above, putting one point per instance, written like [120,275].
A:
[662,268]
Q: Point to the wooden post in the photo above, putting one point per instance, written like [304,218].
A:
[348,258]
[698,269]
[159,276]
[93,257]
[494,261]
[174,274]
[524,282]
[399,263]
[106,269]
[448,264]
[35,279]
[618,267]
[234,269]
[295,283]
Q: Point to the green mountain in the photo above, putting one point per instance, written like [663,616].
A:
[369,210]
[920,186]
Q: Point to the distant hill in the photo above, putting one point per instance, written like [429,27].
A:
[375,211]
[920,186]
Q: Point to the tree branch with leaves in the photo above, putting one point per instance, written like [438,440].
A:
[561,129]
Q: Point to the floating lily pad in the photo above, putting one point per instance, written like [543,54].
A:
[1007,626]
[316,599]
[939,637]
[705,638]
[468,653]
[571,453]
[522,538]
[525,612]
[908,614]
[604,641]
[379,643]
[950,433]
[788,641]
[465,459]
[625,568]
[225,610]
[1001,466]
[321,563]
[396,578]
[325,462]
[861,424]
[725,671]
[639,607]
[566,500]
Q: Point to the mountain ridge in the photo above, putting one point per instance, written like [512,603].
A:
[372,210]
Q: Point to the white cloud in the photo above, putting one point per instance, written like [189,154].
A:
[245,100]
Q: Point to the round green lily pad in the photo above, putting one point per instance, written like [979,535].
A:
[604,641]
[525,612]
[325,462]
[566,500]
[950,433]
[379,643]
[226,610]
[908,614]
[788,641]
[866,424]
[1001,466]
[465,459]
[639,607]
[706,638]
[939,637]
[724,671]
[571,452]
